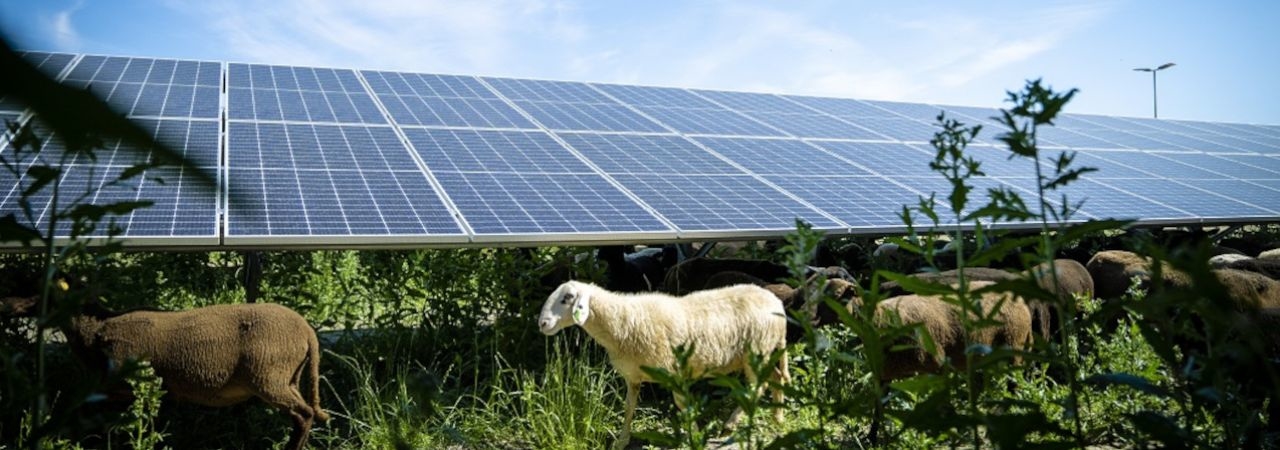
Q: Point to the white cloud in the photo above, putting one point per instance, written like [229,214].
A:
[63,31]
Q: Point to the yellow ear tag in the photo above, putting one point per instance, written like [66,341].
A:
[579,315]
[62,284]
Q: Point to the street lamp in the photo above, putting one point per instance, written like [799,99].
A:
[1155,111]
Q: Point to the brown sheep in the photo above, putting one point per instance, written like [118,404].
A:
[942,320]
[217,355]
[1112,271]
[1073,279]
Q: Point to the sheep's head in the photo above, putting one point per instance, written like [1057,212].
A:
[568,305]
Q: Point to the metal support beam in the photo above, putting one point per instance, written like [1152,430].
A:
[252,276]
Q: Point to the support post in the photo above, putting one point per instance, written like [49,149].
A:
[252,276]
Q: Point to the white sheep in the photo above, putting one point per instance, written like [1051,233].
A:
[724,326]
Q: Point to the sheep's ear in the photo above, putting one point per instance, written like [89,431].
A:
[581,308]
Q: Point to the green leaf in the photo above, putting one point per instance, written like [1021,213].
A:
[1123,379]
[13,231]
[40,177]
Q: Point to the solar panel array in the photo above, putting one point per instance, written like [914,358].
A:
[322,157]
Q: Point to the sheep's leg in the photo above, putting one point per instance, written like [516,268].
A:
[288,398]
[781,377]
[633,396]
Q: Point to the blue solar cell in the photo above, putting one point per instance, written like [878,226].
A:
[709,121]
[816,126]
[1228,166]
[656,96]
[780,156]
[1243,191]
[902,129]
[1153,164]
[493,151]
[745,101]
[1105,202]
[1063,137]
[283,202]
[588,117]
[843,107]
[426,85]
[87,68]
[1108,168]
[917,111]
[721,203]
[996,162]
[646,154]
[978,197]
[136,70]
[548,91]
[976,115]
[50,64]
[457,112]
[866,201]
[161,71]
[1197,202]
[517,203]
[299,93]
[882,158]
[316,146]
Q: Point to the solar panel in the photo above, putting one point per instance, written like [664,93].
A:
[525,183]
[721,122]
[184,210]
[538,203]
[745,101]
[816,126]
[548,91]
[881,158]
[326,183]
[656,96]
[1104,201]
[906,130]
[1153,164]
[844,107]
[588,117]
[647,154]
[323,157]
[442,100]
[860,201]
[781,157]
[147,87]
[50,64]
[722,203]
[1197,202]
[279,93]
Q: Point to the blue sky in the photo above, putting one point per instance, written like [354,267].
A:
[956,52]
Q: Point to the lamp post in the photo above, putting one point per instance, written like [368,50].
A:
[1155,110]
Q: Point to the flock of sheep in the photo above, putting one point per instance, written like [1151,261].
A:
[727,309]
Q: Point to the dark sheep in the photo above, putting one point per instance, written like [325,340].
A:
[216,356]
[1268,267]
[692,274]
[640,271]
